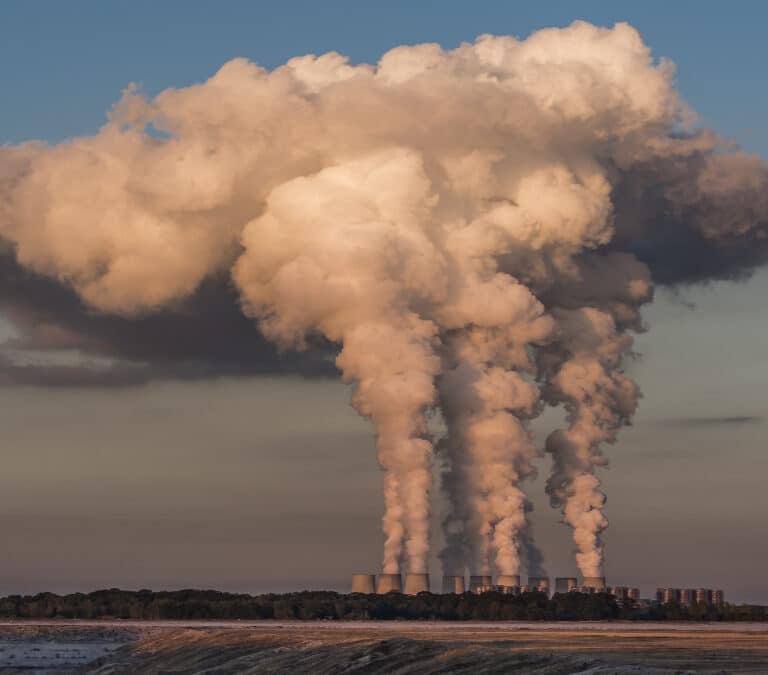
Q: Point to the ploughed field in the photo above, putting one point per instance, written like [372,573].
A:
[125,647]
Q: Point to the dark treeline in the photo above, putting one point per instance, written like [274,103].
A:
[313,605]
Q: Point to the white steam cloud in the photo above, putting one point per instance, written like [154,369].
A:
[476,228]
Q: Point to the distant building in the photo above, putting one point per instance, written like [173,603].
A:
[565,584]
[633,594]
[718,597]
[687,596]
[704,596]
[589,590]
[621,593]
[496,588]
[665,595]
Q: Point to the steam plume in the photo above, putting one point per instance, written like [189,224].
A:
[456,222]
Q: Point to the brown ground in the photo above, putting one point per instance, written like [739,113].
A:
[441,648]
[218,648]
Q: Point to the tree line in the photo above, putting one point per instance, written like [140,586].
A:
[328,605]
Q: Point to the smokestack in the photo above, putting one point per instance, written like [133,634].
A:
[539,584]
[508,580]
[565,584]
[453,583]
[598,583]
[477,580]
[363,583]
[416,583]
[389,583]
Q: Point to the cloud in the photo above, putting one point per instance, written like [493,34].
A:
[205,336]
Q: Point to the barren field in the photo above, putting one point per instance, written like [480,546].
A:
[123,648]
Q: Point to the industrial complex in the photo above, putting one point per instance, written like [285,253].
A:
[510,584]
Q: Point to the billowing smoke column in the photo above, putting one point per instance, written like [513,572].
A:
[475,229]
[599,400]
[484,399]
[316,260]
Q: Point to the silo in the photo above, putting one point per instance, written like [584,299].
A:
[598,583]
[508,580]
[477,580]
[416,583]
[565,584]
[363,583]
[453,583]
[389,583]
[539,584]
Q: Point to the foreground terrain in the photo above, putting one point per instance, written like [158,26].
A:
[125,647]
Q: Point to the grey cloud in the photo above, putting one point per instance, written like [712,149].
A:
[205,336]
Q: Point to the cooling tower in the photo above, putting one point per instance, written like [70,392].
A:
[363,583]
[453,583]
[416,583]
[565,584]
[389,583]
[598,583]
[508,580]
[477,580]
[539,583]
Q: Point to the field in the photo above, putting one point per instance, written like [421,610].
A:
[125,647]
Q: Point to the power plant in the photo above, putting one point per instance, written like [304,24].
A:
[389,583]
[565,584]
[416,583]
[596,583]
[453,583]
[363,583]
[478,580]
[510,584]
[689,596]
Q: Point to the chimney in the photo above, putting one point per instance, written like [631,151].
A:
[453,583]
[416,583]
[477,580]
[363,583]
[508,580]
[389,583]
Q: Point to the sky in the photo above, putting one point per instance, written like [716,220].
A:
[270,482]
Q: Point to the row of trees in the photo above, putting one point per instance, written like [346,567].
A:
[314,605]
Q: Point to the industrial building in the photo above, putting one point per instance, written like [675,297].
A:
[689,596]
[510,584]
[478,580]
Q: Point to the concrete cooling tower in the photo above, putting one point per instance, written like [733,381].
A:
[598,583]
[565,584]
[539,583]
[508,580]
[363,583]
[389,583]
[477,580]
[453,583]
[416,583]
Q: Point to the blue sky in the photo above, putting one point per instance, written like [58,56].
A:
[63,64]
[261,484]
